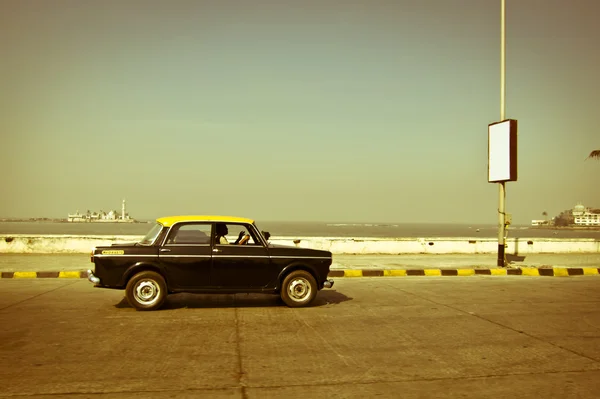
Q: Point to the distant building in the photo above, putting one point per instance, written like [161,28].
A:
[76,217]
[585,216]
[539,222]
[112,216]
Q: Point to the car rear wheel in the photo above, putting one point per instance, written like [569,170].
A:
[299,288]
[146,290]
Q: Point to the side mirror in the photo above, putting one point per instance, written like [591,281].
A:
[266,234]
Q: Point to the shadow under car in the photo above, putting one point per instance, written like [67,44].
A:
[199,301]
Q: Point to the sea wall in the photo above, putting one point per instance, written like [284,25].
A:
[21,243]
[56,243]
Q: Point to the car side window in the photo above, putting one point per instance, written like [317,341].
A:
[190,234]
[235,234]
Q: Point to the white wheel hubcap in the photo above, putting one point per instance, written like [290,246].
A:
[146,292]
[299,289]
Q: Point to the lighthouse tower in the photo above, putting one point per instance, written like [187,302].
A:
[123,211]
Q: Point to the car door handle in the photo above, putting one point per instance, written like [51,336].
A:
[216,250]
[165,250]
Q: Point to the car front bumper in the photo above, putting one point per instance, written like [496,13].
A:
[328,283]
[92,278]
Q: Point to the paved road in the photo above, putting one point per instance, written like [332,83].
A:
[68,262]
[461,337]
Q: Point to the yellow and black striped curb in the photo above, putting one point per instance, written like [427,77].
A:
[550,272]
[72,274]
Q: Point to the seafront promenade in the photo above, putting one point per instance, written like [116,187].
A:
[81,262]
[82,244]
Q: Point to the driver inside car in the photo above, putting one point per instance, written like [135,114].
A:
[222,231]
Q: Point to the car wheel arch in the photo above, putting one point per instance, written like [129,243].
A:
[140,267]
[293,267]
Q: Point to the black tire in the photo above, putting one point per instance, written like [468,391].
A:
[146,290]
[299,288]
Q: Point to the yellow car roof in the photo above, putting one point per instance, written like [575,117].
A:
[168,221]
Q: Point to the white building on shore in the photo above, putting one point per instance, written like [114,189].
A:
[112,216]
[585,216]
[539,222]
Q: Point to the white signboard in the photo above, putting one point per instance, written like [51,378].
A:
[502,151]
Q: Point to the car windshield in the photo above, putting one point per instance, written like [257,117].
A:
[152,234]
[260,232]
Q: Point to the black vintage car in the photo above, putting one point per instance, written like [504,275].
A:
[209,254]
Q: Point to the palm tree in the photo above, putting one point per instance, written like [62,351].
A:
[545,215]
[594,155]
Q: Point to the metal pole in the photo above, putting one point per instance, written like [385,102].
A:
[503,60]
[501,186]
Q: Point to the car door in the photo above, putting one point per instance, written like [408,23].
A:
[240,266]
[186,256]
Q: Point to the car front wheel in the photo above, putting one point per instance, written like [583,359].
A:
[299,288]
[146,291]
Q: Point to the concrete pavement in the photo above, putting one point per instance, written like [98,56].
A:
[367,337]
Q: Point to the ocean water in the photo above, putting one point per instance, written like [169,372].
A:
[310,229]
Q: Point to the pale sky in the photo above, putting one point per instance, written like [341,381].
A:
[364,111]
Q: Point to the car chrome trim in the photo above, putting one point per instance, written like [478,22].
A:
[301,257]
[92,278]
[275,257]
[164,240]
[185,256]
[186,245]
[208,256]
[123,255]
[241,256]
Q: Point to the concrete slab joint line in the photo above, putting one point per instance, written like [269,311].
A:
[549,272]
